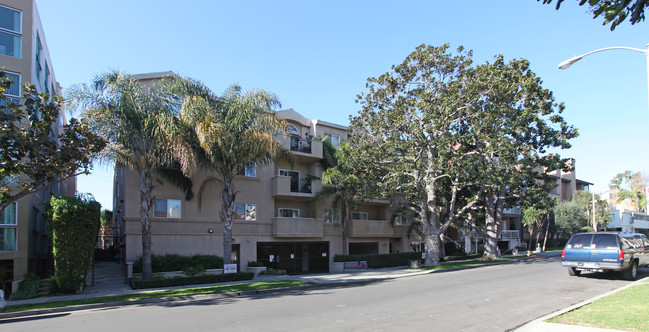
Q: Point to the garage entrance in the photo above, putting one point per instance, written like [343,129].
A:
[295,257]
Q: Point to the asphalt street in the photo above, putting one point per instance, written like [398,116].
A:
[493,298]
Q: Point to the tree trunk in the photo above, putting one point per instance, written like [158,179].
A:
[431,231]
[491,227]
[146,200]
[227,217]
[343,224]
[545,240]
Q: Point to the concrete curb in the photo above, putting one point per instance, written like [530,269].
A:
[193,298]
[529,326]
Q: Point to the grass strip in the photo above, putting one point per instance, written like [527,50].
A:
[450,265]
[624,310]
[242,287]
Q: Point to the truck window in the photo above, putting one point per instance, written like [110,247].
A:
[579,241]
[605,241]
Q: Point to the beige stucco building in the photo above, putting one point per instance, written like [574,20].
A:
[24,57]
[274,222]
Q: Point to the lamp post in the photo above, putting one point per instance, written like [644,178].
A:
[567,63]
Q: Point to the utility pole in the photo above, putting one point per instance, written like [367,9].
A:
[594,221]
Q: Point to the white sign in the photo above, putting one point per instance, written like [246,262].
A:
[229,268]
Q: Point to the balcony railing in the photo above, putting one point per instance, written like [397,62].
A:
[298,227]
[300,144]
[516,210]
[288,186]
[509,235]
[370,228]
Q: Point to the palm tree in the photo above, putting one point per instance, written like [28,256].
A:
[341,183]
[137,121]
[631,186]
[233,131]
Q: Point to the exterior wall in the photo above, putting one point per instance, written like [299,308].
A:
[32,252]
[199,230]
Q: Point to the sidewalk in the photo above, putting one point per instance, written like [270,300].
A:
[318,280]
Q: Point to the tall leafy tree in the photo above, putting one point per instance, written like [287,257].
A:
[569,218]
[514,124]
[411,129]
[631,185]
[614,12]
[232,131]
[585,200]
[138,121]
[31,157]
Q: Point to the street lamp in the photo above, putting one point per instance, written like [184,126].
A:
[567,63]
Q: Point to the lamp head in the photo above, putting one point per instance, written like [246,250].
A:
[567,63]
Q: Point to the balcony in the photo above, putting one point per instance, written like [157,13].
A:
[370,228]
[515,211]
[298,227]
[509,235]
[286,186]
[306,150]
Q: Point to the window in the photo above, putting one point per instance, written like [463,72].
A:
[250,170]
[167,208]
[46,79]
[605,241]
[245,212]
[611,196]
[10,32]
[359,215]
[13,92]
[289,213]
[580,241]
[8,227]
[335,140]
[331,216]
[37,61]
[293,130]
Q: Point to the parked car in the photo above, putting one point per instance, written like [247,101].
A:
[606,251]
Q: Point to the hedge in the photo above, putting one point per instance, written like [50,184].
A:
[175,262]
[381,260]
[74,224]
[27,288]
[195,280]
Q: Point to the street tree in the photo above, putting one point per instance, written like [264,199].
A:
[138,122]
[513,125]
[585,200]
[344,182]
[235,130]
[31,157]
[569,218]
[411,131]
[614,12]
[631,186]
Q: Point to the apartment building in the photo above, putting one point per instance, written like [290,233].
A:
[24,57]
[274,222]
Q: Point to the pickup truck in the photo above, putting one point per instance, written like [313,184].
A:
[606,251]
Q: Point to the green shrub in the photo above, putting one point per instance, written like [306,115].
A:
[175,262]
[193,270]
[74,223]
[381,260]
[195,280]
[27,288]
[255,264]
[273,272]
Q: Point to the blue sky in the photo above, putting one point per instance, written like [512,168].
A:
[317,55]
